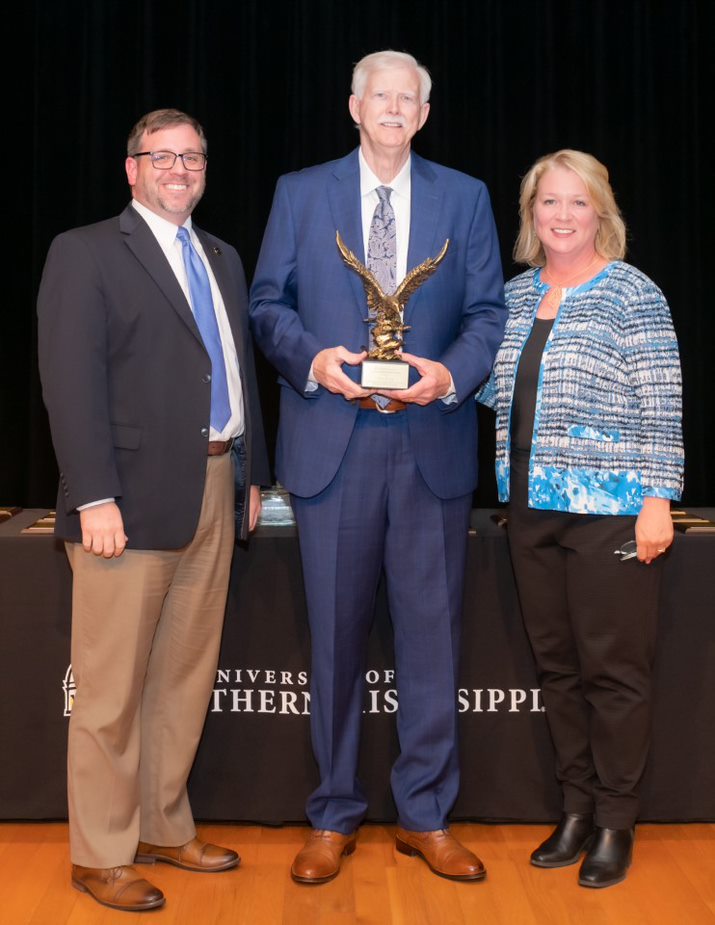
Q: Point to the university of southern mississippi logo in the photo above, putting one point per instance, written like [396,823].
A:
[272,690]
[69,687]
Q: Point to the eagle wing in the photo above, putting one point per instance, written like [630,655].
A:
[414,279]
[373,291]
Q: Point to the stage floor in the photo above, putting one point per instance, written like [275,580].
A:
[671,881]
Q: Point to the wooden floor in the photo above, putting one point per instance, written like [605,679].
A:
[672,882]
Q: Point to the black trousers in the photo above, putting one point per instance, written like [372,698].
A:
[592,621]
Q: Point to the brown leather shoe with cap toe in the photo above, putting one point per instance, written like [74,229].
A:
[443,854]
[195,855]
[320,858]
[117,887]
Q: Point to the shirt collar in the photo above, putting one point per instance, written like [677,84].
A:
[164,230]
[369,182]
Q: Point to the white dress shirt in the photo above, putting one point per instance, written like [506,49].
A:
[401,187]
[165,233]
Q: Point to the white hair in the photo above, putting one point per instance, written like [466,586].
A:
[381,60]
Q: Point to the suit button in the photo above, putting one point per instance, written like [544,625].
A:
[204,431]
[206,378]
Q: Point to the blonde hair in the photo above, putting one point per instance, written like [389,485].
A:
[611,234]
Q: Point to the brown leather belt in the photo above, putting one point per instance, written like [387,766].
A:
[219,447]
[394,405]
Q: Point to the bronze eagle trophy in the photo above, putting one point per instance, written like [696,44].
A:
[385,314]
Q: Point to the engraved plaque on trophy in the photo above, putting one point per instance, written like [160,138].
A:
[383,368]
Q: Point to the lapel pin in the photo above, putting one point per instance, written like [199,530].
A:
[217,251]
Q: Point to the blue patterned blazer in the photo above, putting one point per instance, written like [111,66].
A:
[607,428]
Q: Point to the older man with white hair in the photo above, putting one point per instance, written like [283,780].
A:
[381,479]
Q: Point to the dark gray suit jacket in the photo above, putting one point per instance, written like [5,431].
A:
[124,376]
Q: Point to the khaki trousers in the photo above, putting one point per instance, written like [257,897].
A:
[146,629]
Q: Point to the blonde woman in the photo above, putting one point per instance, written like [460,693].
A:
[587,392]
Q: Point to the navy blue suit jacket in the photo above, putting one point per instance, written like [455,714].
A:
[304,299]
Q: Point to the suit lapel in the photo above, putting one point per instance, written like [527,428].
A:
[345,209]
[226,284]
[425,213]
[140,240]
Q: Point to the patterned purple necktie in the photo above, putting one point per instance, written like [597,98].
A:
[382,242]
[382,255]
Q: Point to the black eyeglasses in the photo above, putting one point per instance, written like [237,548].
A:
[165,160]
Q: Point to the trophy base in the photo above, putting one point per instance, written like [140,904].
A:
[385,374]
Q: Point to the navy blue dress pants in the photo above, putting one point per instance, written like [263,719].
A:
[379,513]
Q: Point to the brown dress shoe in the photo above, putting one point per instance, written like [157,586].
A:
[117,887]
[442,852]
[320,858]
[194,855]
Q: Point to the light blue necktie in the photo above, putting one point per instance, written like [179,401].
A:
[203,309]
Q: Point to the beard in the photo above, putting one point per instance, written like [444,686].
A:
[176,208]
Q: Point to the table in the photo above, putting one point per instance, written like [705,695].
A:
[255,763]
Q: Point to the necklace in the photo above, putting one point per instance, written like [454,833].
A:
[563,283]
[550,303]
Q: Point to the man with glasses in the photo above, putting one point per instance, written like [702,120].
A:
[149,381]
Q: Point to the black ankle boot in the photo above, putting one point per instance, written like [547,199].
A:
[566,843]
[608,859]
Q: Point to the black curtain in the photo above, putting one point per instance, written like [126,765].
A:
[628,80]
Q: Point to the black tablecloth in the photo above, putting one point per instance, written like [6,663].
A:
[255,762]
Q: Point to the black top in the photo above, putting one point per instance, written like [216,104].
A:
[527,378]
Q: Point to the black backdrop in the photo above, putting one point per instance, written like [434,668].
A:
[628,80]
